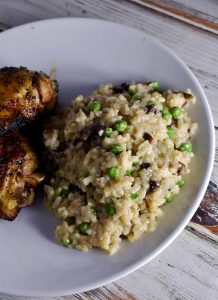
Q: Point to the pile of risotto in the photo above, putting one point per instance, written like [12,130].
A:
[119,156]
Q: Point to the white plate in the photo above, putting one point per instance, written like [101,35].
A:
[86,53]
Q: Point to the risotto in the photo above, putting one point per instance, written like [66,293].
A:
[118,156]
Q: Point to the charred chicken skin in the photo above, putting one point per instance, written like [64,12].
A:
[24,95]
[18,174]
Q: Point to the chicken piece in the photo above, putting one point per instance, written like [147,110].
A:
[24,95]
[18,176]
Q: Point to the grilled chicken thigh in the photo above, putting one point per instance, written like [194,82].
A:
[24,95]
[18,176]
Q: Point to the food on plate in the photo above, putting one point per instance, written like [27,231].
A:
[24,95]
[120,154]
[18,174]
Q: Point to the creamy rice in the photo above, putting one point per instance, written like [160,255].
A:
[112,177]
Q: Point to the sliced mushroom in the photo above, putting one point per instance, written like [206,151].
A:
[181,169]
[123,87]
[145,165]
[153,185]
[147,137]
[89,134]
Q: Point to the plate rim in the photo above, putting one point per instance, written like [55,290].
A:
[180,226]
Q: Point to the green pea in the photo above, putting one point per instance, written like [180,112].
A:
[175,112]
[135,164]
[120,125]
[136,97]
[133,196]
[166,116]
[86,174]
[58,174]
[71,220]
[65,242]
[128,172]
[93,210]
[107,132]
[169,198]
[186,147]
[83,227]
[132,90]
[110,209]
[116,149]
[113,172]
[151,103]
[170,132]
[165,113]
[155,85]
[95,106]
[65,193]
[57,191]
[165,110]
[180,182]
